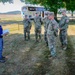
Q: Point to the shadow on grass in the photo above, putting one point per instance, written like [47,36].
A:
[16,43]
[70,54]
[15,48]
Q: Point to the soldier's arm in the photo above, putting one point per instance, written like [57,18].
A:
[29,21]
[40,19]
[30,24]
[34,20]
[55,27]
[65,26]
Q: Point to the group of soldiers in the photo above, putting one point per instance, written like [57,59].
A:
[51,31]
[51,27]
[27,26]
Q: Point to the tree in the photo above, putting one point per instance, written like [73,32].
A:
[22,0]
[70,5]
[51,5]
[4,1]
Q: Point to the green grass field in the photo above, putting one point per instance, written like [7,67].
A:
[31,58]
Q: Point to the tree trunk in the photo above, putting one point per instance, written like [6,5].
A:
[55,13]
[72,15]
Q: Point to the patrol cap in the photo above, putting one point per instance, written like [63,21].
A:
[51,14]
[63,11]
[36,13]
[46,13]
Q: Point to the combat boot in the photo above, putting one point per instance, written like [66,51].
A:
[40,38]
[25,36]
[64,47]
[36,36]
[46,43]
[28,36]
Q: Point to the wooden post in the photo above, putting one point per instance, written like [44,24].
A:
[18,27]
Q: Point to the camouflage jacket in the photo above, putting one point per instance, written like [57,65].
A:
[53,28]
[63,24]
[27,23]
[46,23]
[37,21]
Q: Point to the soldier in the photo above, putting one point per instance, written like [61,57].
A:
[52,32]
[46,21]
[37,21]
[63,26]
[30,21]
[27,27]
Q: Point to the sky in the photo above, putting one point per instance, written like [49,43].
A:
[11,7]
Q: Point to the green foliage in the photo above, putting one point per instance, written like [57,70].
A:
[51,5]
[22,0]
[54,5]
[4,1]
[70,5]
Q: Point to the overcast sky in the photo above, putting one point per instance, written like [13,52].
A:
[11,7]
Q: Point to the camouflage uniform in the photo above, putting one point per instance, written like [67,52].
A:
[63,25]
[52,32]
[46,22]
[37,21]
[27,27]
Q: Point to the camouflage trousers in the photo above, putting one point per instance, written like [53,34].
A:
[26,33]
[63,37]
[45,38]
[38,34]
[51,44]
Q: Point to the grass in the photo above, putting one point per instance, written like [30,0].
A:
[31,58]
[70,61]
[10,18]
[70,53]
